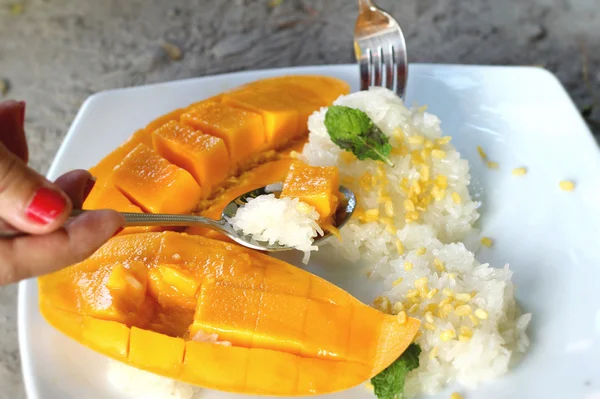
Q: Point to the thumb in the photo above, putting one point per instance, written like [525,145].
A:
[28,201]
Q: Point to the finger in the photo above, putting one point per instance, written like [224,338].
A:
[12,132]
[77,184]
[28,201]
[30,256]
[7,228]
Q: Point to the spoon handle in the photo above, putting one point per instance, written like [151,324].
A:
[152,219]
[166,220]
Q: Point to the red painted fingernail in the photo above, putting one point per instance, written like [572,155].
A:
[45,206]
[89,185]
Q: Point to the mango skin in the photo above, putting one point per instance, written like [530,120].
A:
[272,353]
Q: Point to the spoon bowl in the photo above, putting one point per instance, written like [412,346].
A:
[343,213]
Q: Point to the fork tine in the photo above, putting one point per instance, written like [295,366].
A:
[401,70]
[377,66]
[388,61]
[365,73]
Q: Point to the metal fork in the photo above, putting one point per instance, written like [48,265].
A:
[380,49]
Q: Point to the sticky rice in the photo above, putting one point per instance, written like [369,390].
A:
[408,228]
[286,221]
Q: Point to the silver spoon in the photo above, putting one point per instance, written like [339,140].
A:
[343,214]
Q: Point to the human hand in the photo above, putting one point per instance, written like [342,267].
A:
[31,204]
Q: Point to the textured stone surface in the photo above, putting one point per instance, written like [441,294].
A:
[55,53]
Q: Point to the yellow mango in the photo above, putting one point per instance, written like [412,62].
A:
[218,366]
[105,195]
[170,285]
[280,116]
[143,136]
[242,131]
[280,323]
[325,88]
[204,157]
[228,311]
[271,372]
[315,185]
[156,352]
[128,284]
[289,321]
[70,323]
[108,337]
[155,184]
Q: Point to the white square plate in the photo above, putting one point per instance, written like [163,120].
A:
[521,116]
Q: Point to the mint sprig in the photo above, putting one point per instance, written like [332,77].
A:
[389,384]
[352,130]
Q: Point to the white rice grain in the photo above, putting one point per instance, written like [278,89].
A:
[286,221]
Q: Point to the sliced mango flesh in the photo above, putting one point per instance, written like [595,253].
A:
[326,89]
[229,311]
[315,185]
[204,156]
[143,136]
[280,118]
[289,322]
[155,352]
[281,100]
[105,167]
[217,366]
[156,185]
[171,286]
[106,196]
[283,103]
[108,337]
[127,285]
[242,131]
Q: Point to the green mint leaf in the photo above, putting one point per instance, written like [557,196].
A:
[352,130]
[389,384]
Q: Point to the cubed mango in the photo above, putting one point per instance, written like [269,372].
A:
[108,337]
[271,372]
[171,286]
[323,334]
[127,285]
[222,367]
[315,185]
[280,118]
[105,195]
[205,157]
[156,185]
[156,352]
[281,322]
[242,131]
[229,311]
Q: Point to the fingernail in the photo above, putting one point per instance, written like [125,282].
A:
[45,206]
[89,185]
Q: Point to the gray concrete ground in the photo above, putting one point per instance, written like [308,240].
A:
[55,53]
